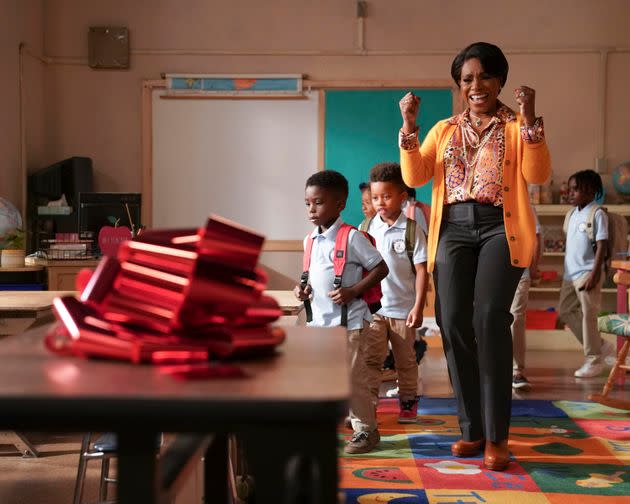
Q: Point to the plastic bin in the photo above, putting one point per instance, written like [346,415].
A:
[541,319]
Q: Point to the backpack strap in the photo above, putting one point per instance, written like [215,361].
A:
[365,223]
[567,218]
[339,263]
[306,264]
[590,225]
[410,241]
[410,211]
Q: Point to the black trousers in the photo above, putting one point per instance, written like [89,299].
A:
[475,284]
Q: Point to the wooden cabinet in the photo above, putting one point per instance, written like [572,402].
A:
[61,275]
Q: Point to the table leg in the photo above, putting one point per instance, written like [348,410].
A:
[294,465]
[216,471]
[137,468]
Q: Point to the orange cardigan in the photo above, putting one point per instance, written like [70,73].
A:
[523,163]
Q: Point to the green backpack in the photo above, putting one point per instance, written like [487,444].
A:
[410,237]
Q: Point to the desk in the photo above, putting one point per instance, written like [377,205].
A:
[289,304]
[19,309]
[289,405]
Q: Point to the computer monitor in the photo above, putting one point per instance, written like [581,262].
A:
[104,209]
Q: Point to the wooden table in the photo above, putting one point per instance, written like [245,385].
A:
[19,309]
[287,406]
[289,304]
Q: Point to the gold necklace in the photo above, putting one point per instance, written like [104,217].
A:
[478,119]
[479,146]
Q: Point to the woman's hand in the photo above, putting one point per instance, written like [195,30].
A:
[526,99]
[409,107]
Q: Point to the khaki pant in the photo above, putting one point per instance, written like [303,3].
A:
[362,411]
[402,338]
[519,306]
[578,309]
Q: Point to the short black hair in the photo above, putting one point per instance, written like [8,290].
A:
[330,180]
[364,186]
[411,192]
[589,179]
[491,57]
[388,172]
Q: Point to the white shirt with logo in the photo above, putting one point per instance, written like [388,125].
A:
[399,286]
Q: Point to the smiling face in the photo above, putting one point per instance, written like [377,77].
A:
[387,199]
[478,88]
[323,206]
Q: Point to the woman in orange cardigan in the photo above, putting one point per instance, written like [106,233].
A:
[481,235]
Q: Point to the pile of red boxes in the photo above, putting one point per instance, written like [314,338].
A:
[173,296]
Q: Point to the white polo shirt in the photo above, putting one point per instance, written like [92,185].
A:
[360,254]
[579,257]
[399,286]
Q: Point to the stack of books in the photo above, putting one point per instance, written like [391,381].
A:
[178,295]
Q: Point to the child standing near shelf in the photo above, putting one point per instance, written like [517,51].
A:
[580,294]
[518,309]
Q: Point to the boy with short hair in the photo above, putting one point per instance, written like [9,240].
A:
[325,196]
[580,294]
[404,289]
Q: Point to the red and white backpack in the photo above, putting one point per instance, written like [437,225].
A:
[372,296]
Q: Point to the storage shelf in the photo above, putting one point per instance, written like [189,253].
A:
[561,210]
[557,289]
[553,254]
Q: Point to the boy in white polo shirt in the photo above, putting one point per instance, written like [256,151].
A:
[404,288]
[325,196]
[580,294]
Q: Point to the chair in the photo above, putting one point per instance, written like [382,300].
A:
[618,324]
[103,449]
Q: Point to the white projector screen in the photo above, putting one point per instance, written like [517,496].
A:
[244,159]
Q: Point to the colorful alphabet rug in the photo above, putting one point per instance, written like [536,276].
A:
[561,452]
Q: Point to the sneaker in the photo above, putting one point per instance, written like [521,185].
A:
[363,442]
[392,392]
[520,382]
[591,367]
[609,352]
[408,411]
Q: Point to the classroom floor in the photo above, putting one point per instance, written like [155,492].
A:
[50,478]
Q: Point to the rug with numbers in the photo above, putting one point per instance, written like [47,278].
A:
[573,452]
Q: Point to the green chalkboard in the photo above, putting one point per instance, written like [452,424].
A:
[361,130]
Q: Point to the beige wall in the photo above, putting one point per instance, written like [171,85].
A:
[71,109]
[22,21]
[550,47]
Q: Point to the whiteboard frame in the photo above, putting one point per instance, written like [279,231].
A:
[146,139]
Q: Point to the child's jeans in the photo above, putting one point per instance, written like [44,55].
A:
[362,411]
[402,338]
[579,309]
[519,306]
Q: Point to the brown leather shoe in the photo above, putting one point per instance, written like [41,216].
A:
[463,448]
[497,456]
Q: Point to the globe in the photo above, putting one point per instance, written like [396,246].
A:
[621,180]
[10,217]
